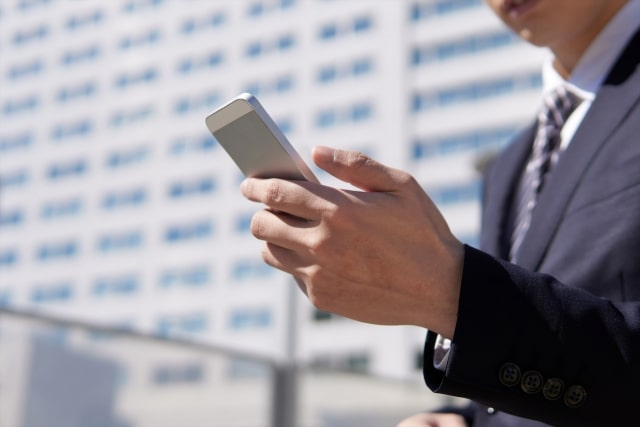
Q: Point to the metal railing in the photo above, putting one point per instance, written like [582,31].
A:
[57,372]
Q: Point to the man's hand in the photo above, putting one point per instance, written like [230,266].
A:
[383,255]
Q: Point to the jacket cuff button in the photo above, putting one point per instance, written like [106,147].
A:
[553,388]
[509,374]
[531,382]
[575,396]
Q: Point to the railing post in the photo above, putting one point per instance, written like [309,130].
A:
[284,397]
[284,409]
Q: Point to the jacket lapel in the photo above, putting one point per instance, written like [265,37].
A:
[501,180]
[618,95]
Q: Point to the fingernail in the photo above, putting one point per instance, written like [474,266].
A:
[324,152]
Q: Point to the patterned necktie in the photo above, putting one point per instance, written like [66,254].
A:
[557,107]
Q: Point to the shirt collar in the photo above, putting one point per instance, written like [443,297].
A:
[593,67]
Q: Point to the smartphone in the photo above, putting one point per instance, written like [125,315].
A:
[255,143]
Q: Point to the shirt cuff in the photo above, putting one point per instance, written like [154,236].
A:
[441,353]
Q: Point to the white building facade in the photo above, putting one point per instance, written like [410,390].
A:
[117,206]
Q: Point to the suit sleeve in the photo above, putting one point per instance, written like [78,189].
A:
[530,346]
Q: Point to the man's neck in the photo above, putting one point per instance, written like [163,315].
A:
[568,52]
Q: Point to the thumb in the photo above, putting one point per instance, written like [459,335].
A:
[357,169]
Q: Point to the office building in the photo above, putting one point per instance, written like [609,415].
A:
[117,206]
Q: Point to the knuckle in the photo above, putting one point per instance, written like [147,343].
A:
[275,193]
[357,159]
[317,244]
[407,179]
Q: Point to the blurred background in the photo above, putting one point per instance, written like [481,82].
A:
[131,291]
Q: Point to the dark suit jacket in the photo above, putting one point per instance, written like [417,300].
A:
[577,326]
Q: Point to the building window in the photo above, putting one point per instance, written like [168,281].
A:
[13,179]
[61,208]
[25,5]
[360,112]
[286,42]
[477,140]
[200,24]
[134,6]
[328,31]
[202,63]
[192,145]
[352,114]
[361,67]
[83,55]
[120,285]
[124,240]
[473,92]
[21,105]
[131,117]
[77,22]
[57,292]
[31,35]
[122,199]
[126,157]
[193,187]
[256,9]
[76,92]
[332,30]
[263,7]
[186,105]
[327,74]
[19,141]
[193,323]
[250,318]
[69,169]
[353,69]
[8,257]
[326,119]
[55,251]
[458,193]
[144,77]
[11,217]
[197,230]
[147,38]
[195,276]
[361,24]
[28,69]
[281,84]
[428,10]
[468,46]
[78,129]
[250,269]
[279,44]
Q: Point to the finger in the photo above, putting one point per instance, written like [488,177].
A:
[293,197]
[285,260]
[280,228]
[358,169]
